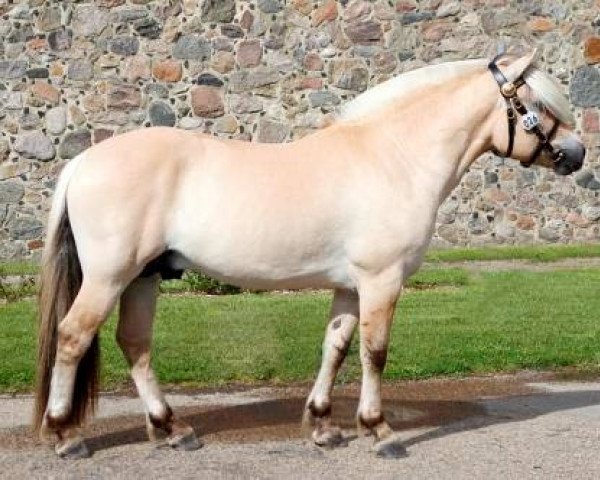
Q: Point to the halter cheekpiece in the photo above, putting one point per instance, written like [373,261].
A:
[529,121]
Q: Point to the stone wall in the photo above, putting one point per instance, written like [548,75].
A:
[74,73]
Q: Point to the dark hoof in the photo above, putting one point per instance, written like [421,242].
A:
[330,438]
[72,450]
[390,448]
[187,442]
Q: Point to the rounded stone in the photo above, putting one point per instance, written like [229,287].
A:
[60,40]
[124,46]
[585,87]
[313,62]
[327,12]
[249,53]
[210,80]
[35,145]
[226,124]
[192,47]
[89,21]
[75,143]
[592,50]
[43,92]
[80,70]
[189,123]
[25,228]
[220,11]
[38,73]
[11,191]
[167,70]
[56,120]
[270,131]
[49,19]
[270,6]
[207,101]
[161,114]
[591,212]
[549,234]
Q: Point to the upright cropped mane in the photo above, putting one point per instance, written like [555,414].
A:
[545,89]
[404,84]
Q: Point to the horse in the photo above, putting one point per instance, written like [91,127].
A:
[350,207]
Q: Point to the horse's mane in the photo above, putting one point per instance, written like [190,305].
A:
[544,87]
[403,85]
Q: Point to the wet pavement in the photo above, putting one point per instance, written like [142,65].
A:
[510,426]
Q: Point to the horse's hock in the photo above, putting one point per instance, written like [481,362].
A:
[73,74]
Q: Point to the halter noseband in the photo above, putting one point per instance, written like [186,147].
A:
[530,121]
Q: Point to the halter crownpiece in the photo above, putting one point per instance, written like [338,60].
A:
[530,120]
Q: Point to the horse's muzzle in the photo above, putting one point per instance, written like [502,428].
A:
[572,153]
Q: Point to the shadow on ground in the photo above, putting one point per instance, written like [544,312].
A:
[444,407]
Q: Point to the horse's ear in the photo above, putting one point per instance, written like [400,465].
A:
[516,68]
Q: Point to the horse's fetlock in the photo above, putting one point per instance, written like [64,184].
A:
[370,418]
[162,420]
[319,408]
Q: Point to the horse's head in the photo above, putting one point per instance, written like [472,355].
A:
[533,123]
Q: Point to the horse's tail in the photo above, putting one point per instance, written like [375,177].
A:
[60,282]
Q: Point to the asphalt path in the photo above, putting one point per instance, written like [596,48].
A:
[522,426]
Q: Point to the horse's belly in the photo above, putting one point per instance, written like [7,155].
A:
[248,269]
[259,229]
[266,257]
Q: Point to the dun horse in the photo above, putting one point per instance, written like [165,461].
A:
[351,208]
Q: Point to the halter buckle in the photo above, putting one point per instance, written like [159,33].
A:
[508,90]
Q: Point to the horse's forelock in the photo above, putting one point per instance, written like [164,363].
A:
[546,90]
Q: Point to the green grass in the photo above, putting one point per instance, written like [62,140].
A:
[536,253]
[18,268]
[491,321]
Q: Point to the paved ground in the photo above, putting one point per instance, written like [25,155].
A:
[526,265]
[524,426]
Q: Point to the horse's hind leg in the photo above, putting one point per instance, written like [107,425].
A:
[134,336]
[75,333]
[342,322]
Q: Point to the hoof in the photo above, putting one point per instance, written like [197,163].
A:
[186,442]
[390,448]
[329,438]
[72,449]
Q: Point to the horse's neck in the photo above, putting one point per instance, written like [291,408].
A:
[438,136]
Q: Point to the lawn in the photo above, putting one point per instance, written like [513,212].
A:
[470,323]
[536,253]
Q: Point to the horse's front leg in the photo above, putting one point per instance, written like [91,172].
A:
[342,322]
[378,297]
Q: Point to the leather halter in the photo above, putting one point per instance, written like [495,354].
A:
[514,104]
